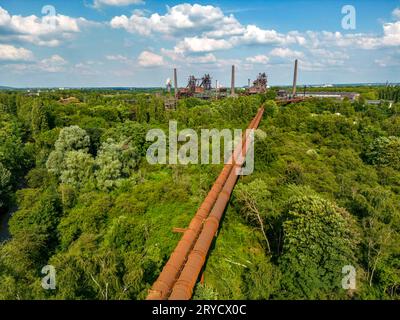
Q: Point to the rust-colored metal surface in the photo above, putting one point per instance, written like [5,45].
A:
[260,85]
[183,289]
[182,270]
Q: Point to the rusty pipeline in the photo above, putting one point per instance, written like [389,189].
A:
[183,289]
[163,286]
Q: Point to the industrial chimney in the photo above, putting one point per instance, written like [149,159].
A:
[295,78]
[233,81]
[168,85]
[176,83]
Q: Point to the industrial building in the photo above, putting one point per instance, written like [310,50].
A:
[332,95]
[200,88]
[260,85]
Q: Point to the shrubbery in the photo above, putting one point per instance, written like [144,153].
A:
[324,194]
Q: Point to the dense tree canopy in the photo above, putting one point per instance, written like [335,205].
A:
[319,240]
[324,195]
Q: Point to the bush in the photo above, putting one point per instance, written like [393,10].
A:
[384,151]
[319,239]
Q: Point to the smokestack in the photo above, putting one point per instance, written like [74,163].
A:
[295,78]
[176,82]
[233,81]
[169,87]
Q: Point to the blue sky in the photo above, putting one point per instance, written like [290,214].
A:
[139,42]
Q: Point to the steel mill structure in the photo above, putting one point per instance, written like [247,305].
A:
[260,85]
[197,87]
[179,276]
[202,88]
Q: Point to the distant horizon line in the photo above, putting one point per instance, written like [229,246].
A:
[326,85]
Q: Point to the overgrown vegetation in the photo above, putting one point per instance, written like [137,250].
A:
[390,93]
[325,194]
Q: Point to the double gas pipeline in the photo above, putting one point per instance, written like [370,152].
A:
[179,276]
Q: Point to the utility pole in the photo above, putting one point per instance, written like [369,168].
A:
[233,82]
[176,83]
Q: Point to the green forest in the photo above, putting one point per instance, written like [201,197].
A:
[390,93]
[82,197]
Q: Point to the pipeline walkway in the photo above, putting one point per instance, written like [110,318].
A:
[179,276]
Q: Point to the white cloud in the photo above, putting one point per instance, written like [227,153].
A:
[391,34]
[207,28]
[117,58]
[11,53]
[134,24]
[259,59]
[322,60]
[256,35]
[205,59]
[208,58]
[206,22]
[389,60]
[196,44]
[204,28]
[44,31]
[173,55]
[117,3]
[382,62]
[122,59]
[286,53]
[396,13]
[203,22]
[324,53]
[182,18]
[53,64]
[87,68]
[358,40]
[326,39]
[313,65]
[150,59]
